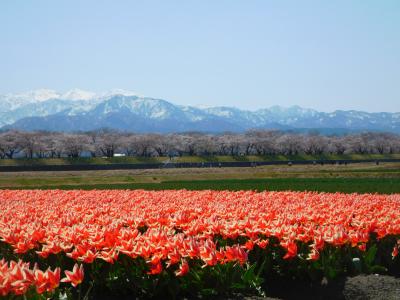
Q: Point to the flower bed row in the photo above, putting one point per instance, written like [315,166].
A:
[186,243]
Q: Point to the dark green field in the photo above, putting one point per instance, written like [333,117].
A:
[345,185]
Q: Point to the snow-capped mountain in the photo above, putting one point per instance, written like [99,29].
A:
[13,101]
[44,102]
[124,110]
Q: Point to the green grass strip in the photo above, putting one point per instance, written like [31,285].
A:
[344,185]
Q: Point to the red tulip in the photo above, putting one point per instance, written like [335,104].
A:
[183,268]
[75,277]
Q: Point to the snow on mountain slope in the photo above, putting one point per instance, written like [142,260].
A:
[13,101]
[77,94]
[142,106]
[35,96]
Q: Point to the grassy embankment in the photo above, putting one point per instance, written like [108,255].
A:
[190,159]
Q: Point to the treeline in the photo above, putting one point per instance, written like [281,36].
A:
[256,142]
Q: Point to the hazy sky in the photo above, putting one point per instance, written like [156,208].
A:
[325,55]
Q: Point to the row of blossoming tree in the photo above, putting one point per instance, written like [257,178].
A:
[256,142]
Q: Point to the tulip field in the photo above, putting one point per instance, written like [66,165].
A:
[177,243]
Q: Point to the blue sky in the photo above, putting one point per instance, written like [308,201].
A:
[325,55]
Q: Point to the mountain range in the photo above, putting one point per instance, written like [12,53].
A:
[78,110]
